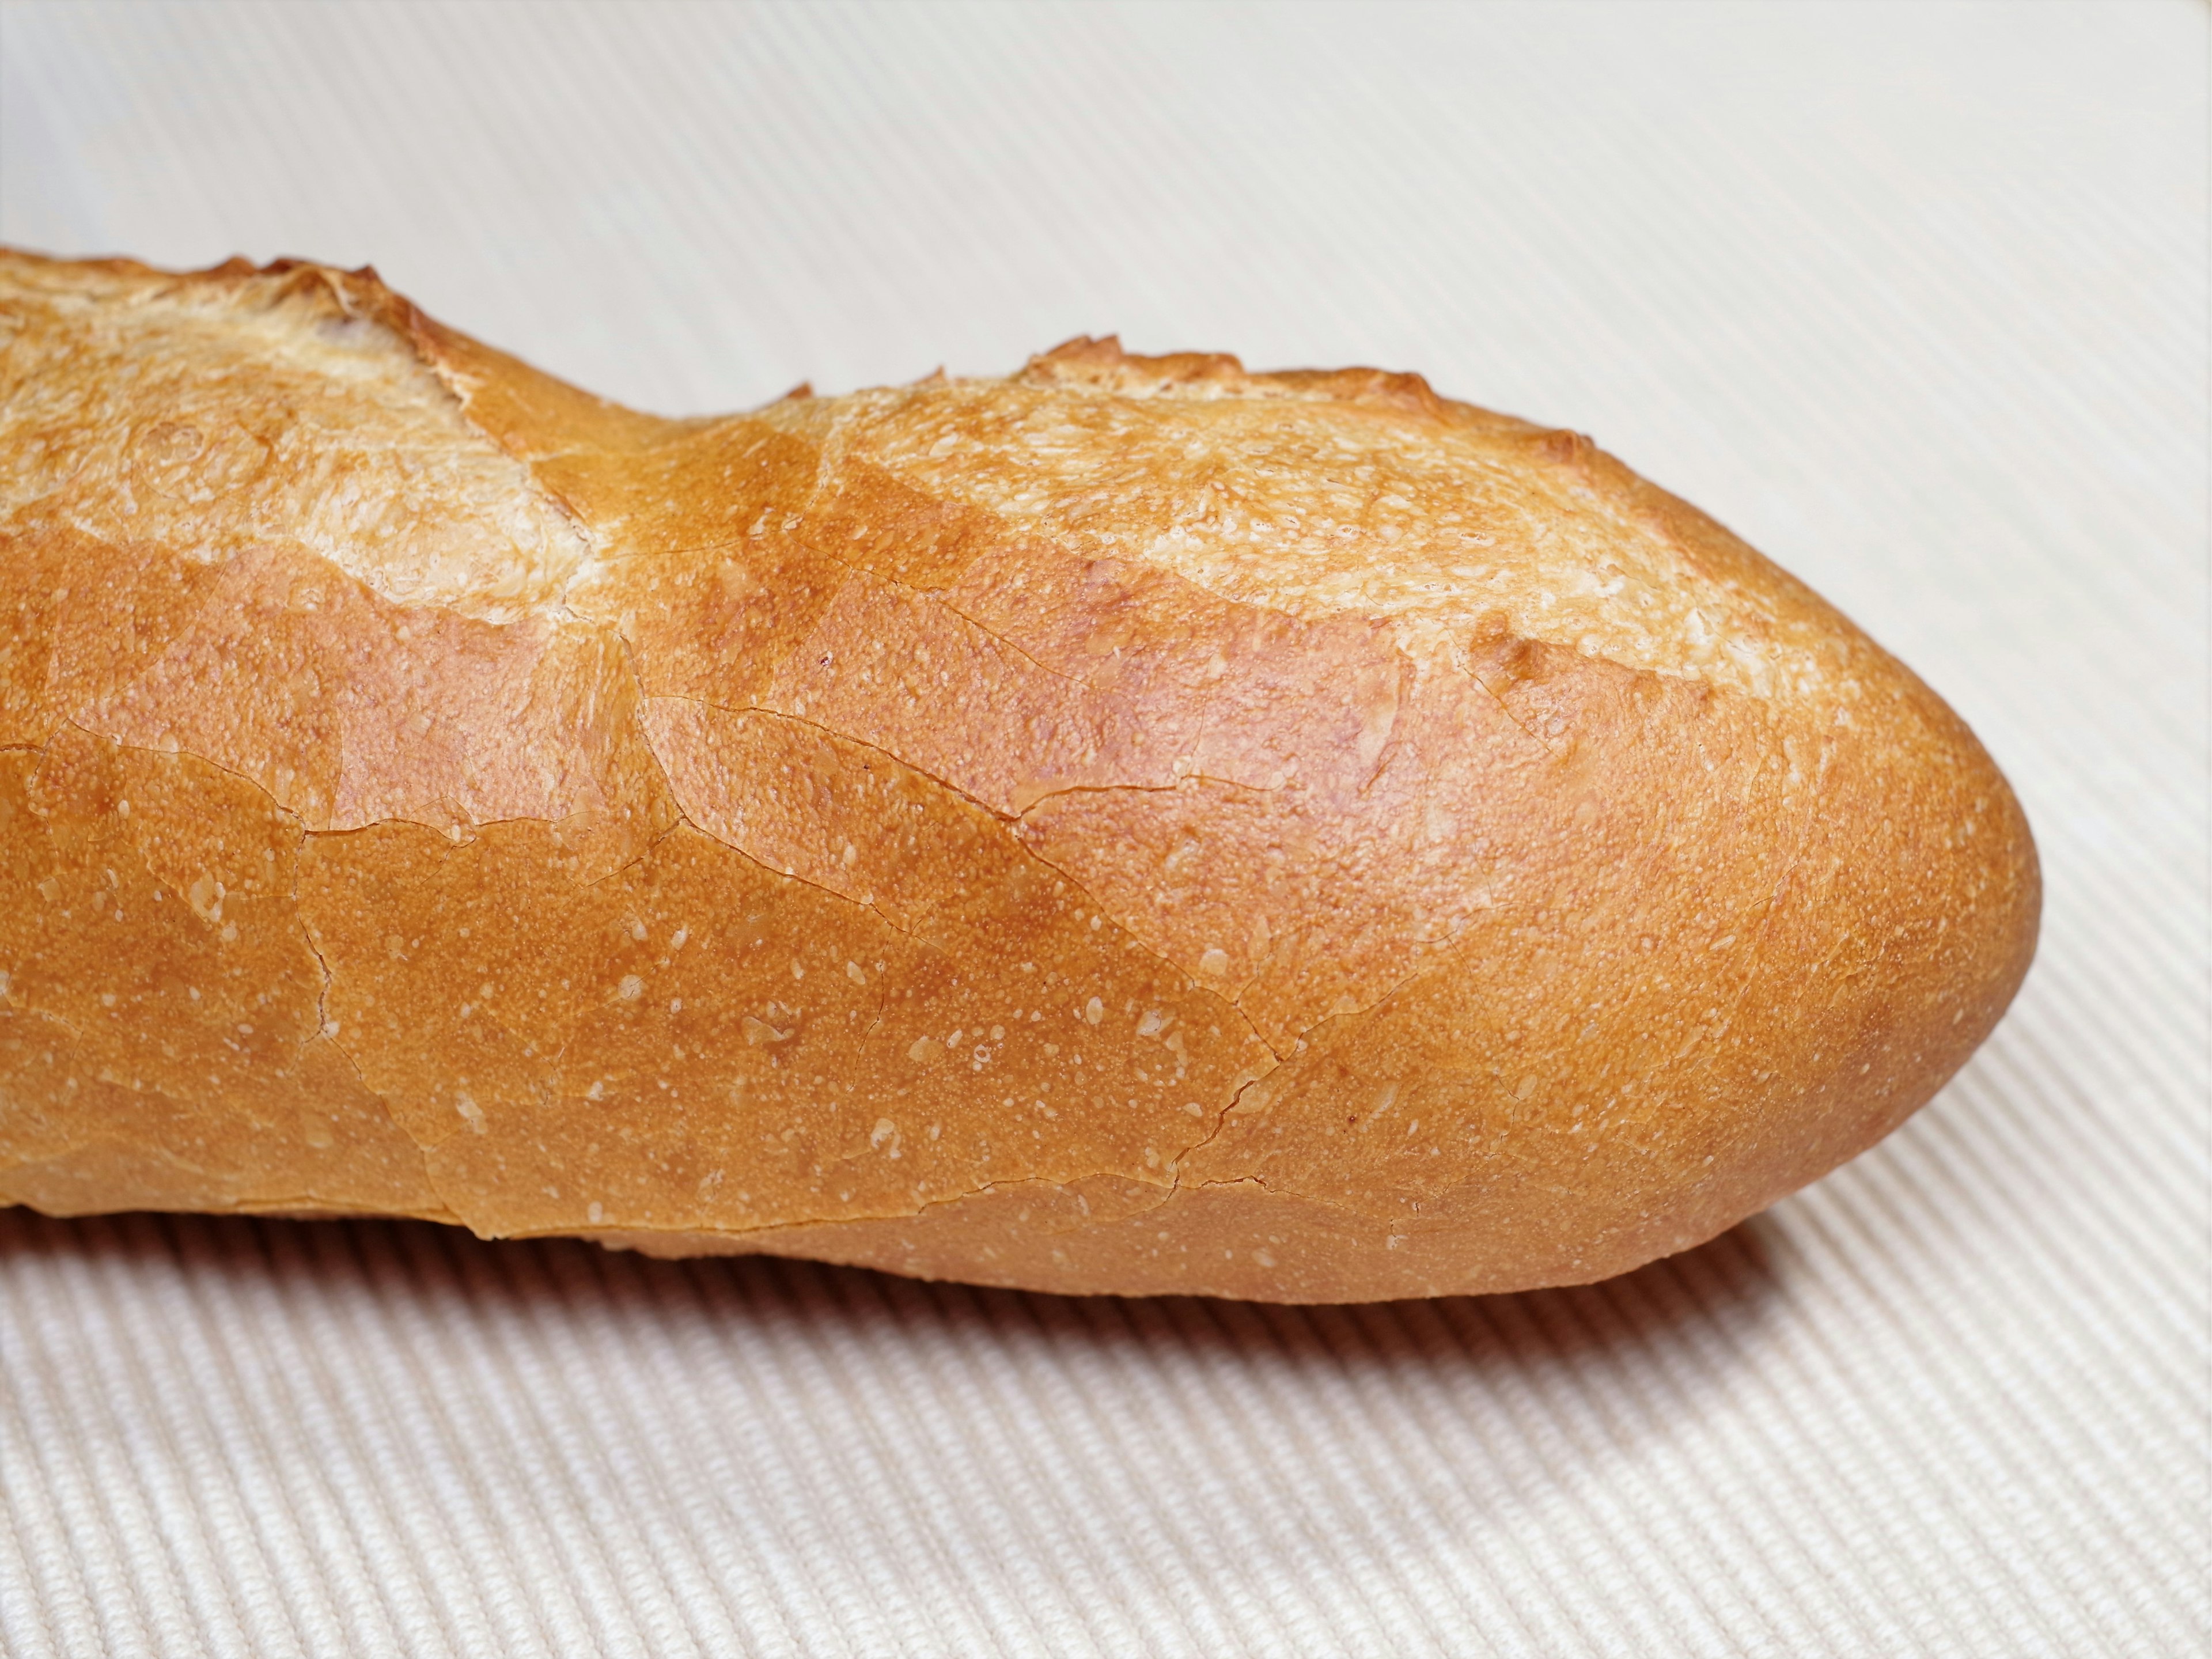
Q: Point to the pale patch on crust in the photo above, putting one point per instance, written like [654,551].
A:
[228,411]
[1345,493]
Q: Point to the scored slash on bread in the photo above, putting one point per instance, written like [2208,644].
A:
[1134,825]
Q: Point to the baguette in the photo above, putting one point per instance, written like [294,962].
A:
[1132,826]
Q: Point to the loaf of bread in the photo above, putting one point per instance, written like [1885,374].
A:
[1132,826]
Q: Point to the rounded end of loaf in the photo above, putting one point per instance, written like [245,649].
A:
[1554,1107]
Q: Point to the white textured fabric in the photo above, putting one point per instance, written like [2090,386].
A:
[1914,297]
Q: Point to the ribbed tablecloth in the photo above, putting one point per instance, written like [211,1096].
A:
[1912,296]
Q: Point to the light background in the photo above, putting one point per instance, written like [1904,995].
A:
[1914,297]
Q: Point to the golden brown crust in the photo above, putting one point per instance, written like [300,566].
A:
[1135,825]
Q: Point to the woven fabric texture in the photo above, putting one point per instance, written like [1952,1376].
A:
[1913,297]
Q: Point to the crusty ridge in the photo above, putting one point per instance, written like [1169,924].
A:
[306,327]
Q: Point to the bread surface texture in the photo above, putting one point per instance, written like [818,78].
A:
[1134,826]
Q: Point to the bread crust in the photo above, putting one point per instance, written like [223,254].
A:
[1134,825]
